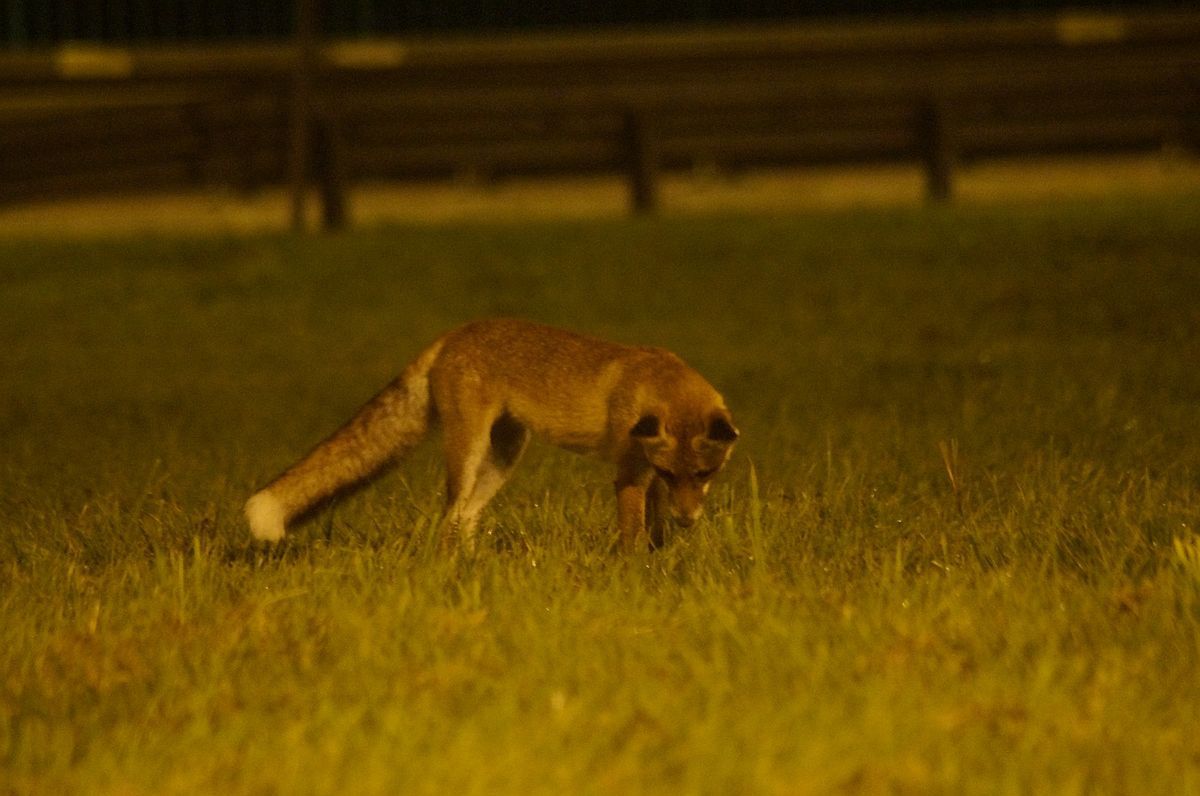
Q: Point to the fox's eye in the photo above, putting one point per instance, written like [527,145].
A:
[665,475]
[704,475]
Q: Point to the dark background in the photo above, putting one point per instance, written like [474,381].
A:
[34,23]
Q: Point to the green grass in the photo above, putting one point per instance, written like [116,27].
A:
[956,550]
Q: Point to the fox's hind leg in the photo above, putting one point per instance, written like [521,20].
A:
[465,454]
[474,477]
[508,440]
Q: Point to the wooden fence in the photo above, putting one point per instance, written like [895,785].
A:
[95,119]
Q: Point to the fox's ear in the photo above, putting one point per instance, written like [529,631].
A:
[646,428]
[721,430]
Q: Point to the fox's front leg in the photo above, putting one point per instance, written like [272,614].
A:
[631,487]
[631,514]
[656,512]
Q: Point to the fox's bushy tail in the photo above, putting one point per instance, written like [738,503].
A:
[387,427]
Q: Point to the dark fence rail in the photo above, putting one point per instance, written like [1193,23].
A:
[92,118]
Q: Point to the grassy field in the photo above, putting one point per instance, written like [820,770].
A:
[956,551]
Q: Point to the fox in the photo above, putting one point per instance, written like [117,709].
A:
[492,384]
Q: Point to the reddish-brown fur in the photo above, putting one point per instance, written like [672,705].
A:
[491,384]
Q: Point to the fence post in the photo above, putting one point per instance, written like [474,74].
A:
[1190,123]
[641,152]
[936,140]
[200,154]
[329,170]
[301,109]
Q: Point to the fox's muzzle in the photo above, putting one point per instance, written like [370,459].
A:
[686,520]
[685,515]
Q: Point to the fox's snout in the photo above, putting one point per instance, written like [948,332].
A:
[684,499]
[686,518]
[686,508]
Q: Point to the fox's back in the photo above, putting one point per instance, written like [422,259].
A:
[508,342]
[560,383]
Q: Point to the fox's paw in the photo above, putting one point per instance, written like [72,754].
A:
[266,517]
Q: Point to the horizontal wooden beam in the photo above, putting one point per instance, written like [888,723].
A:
[1062,31]
[637,103]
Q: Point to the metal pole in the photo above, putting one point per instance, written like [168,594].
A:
[937,143]
[641,151]
[301,110]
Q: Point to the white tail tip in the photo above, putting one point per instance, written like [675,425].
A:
[265,514]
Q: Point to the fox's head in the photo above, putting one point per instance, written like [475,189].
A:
[685,454]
